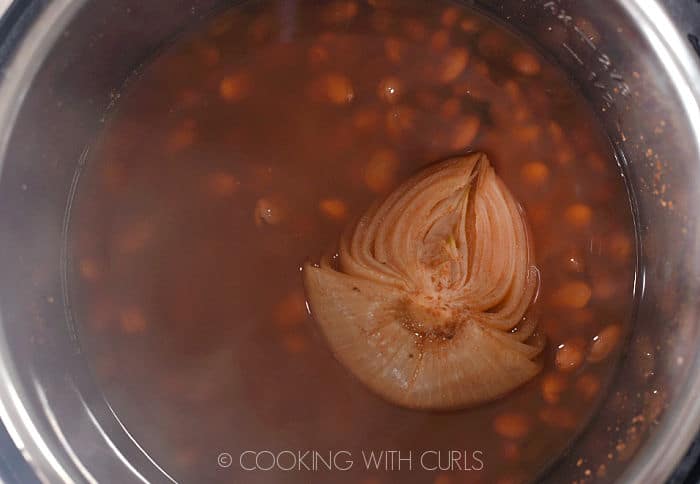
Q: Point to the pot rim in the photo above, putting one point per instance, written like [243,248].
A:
[659,455]
[665,448]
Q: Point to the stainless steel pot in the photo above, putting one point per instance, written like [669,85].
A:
[65,59]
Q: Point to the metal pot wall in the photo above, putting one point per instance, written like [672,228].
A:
[63,59]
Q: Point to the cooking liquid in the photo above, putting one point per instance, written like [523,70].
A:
[243,150]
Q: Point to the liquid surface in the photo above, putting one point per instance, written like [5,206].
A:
[243,150]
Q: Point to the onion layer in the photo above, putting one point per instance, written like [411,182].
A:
[427,302]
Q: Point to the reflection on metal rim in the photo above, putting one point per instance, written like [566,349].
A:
[665,449]
[19,420]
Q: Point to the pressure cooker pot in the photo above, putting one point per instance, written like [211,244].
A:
[64,65]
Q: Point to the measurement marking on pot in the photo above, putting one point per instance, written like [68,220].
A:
[609,90]
[572,52]
[584,36]
[616,76]
[559,12]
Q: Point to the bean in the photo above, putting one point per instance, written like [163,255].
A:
[291,310]
[328,37]
[513,90]
[235,87]
[393,49]
[578,215]
[449,17]
[295,344]
[318,55]
[210,55]
[620,246]
[442,478]
[572,294]
[564,155]
[482,68]
[569,356]
[528,133]
[260,29]
[189,98]
[221,184]
[552,386]
[333,208]
[340,11]
[555,131]
[603,192]
[465,130]
[450,108]
[535,173]
[380,172]
[453,64]
[336,88]
[522,113]
[414,30]
[220,25]
[526,63]
[597,163]
[512,425]
[89,269]
[182,137]
[132,320]
[558,417]
[440,40]
[511,451]
[511,479]
[365,119]
[469,25]
[604,343]
[185,458]
[588,386]
[267,212]
[539,213]
[137,235]
[492,43]
[381,3]
[605,287]
[389,90]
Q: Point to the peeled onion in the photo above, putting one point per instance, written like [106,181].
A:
[427,301]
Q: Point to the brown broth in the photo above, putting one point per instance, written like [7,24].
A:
[243,149]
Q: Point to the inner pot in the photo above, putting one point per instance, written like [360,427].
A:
[65,62]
